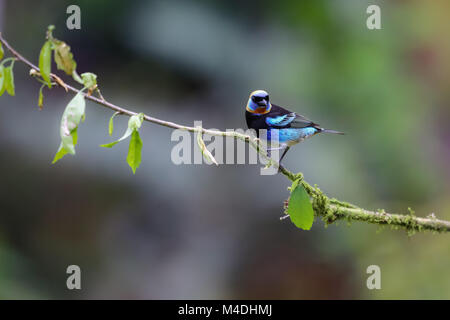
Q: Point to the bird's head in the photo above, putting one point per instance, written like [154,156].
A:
[258,102]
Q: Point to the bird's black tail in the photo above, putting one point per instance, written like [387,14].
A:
[331,131]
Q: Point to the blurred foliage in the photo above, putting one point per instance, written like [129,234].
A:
[151,235]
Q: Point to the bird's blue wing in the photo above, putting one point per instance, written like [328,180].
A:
[291,120]
[281,121]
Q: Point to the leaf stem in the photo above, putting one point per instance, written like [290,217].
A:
[13,59]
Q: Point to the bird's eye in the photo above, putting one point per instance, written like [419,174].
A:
[257,99]
[267,98]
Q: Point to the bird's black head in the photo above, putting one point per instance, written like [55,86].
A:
[258,102]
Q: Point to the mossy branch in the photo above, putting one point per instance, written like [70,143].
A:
[329,209]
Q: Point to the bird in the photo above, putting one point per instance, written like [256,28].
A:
[291,127]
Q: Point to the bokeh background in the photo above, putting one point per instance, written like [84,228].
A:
[198,231]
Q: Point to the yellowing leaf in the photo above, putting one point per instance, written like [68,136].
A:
[2,53]
[41,98]
[45,62]
[299,208]
[60,82]
[63,57]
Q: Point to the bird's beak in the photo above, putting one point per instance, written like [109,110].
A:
[262,103]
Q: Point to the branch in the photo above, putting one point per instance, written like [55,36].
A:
[329,209]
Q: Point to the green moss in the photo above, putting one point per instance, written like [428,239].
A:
[331,210]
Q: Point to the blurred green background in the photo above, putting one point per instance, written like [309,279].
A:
[190,231]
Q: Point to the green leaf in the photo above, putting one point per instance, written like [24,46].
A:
[50,29]
[76,77]
[45,62]
[299,208]
[89,80]
[59,154]
[2,80]
[41,97]
[70,120]
[63,57]
[134,124]
[134,151]
[205,152]
[9,80]
[62,151]
[112,144]
[135,121]
[2,53]
[111,123]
